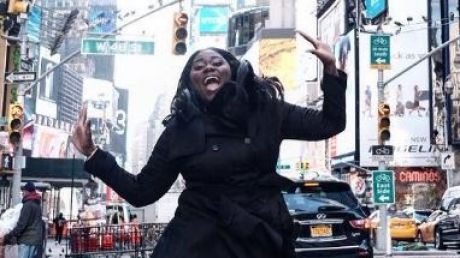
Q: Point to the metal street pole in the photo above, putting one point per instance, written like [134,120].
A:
[18,155]
[383,238]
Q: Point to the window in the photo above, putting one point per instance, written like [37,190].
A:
[244,25]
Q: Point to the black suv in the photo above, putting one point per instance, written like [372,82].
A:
[329,221]
[447,231]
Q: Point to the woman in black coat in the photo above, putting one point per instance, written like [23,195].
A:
[223,136]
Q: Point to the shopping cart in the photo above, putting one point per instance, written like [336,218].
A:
[135,240]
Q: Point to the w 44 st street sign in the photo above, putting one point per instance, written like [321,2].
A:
[383,186]
[115,47]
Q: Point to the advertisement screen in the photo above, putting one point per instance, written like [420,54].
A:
[331,29]
[277,57]
[118,130]
[102,19]
[214,19]
[408,99]
[455,82]
[49,142]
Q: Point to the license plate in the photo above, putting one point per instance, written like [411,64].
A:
[321,231]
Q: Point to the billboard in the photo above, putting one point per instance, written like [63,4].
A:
[331,29]
[214,19]
[102,19]
[119,126]
[49,142]
[34,23]
[277,57]
[455,80]
[408,99]
[420,188]
[331,25]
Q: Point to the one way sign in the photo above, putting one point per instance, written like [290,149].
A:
[20,77]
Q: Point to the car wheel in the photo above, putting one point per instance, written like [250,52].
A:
[438,244]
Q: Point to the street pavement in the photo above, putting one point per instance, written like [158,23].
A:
[415,254]
[55,250]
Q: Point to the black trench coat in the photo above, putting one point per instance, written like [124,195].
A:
[232,206]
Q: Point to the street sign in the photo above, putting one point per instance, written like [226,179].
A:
[383,186]
[115,47]
[382,152]
[20,77]
[447,160]
[380,52]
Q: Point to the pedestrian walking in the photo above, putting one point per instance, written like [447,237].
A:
[29,229]
[59,224]
[223,135]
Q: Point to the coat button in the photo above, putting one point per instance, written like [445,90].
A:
[215,147]
[247,140]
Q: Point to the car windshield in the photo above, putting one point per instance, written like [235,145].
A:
[421,215]
[309,198]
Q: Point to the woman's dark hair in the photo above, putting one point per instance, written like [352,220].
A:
[258,90]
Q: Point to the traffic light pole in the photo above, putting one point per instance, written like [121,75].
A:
[18,153]
[383,238]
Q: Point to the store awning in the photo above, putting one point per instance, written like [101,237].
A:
[57,172]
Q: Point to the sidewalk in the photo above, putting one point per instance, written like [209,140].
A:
[427,254]
[54,250]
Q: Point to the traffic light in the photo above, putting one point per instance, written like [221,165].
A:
[383,123]
[18,6]
[180,33]
[15,123]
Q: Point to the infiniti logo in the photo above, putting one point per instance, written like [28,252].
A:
[320,216]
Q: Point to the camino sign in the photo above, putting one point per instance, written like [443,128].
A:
[380,52]
[383,186]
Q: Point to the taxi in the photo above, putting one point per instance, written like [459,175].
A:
[402,226]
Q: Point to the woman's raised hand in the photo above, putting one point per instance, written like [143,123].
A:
[323,52]
[81,135]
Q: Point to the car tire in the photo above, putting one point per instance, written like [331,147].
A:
[438,244]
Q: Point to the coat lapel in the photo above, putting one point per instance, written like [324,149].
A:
[188,139]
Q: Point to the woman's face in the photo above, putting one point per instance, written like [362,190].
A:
[210,71]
